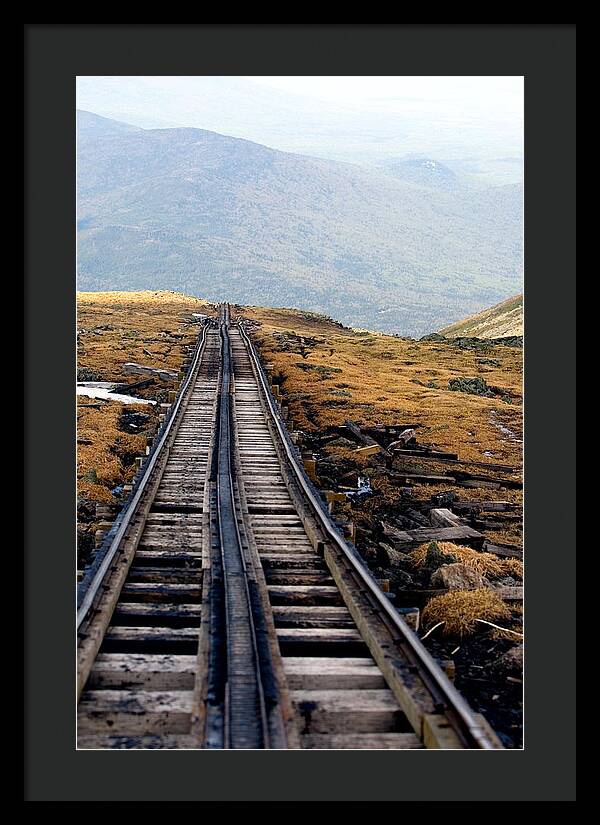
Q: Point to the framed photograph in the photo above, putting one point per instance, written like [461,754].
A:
[298,501]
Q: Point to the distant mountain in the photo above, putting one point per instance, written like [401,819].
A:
[332,129]
[425,172]
[90,125]
[216,216]
[503,319]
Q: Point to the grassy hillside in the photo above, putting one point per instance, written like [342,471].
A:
[331,373]
[503,319]
[150,328]
[328,373]
[225,218]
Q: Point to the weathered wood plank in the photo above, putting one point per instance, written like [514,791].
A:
[144,592]
[337,711]
[298,594]
[145,671]
[287,635]
[129,633]
[421,535]
[504,550]
[164,742]
[365,439]
[128,711]
[333,673]
[361,741]
[442,517]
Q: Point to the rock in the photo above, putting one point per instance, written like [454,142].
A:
[444,499]
[511,661]
[457,576]
[383,554]
[400,579]
[435,558]
[404,439]
[434,336]
[472,386]
[341,442]
[394,557]
[87,374]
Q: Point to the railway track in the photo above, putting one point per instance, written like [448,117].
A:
[226,610]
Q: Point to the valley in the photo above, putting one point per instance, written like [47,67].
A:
[404,249]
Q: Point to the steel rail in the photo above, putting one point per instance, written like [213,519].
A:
[244,689]
[131,508]
[456,707]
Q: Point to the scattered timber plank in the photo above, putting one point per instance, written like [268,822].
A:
[462,477]
[364,438]
[507,550]
[510,594]
[372,449]
[442,517]
[391,428]
[491,506]
[139,369]
[474,483]
[422,535]
[452,458]
[418,518]
[494,522]
[406,479]
[426,453]
[138,385]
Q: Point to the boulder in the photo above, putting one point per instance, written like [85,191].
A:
[400,579]
[511,661]
[457,576]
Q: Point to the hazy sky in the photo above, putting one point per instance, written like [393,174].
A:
[502,94]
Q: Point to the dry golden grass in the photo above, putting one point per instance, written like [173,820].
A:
[460,610]
[379,371]
[512,567]
[387,380]
[487,564]
[151,328]
[144,326]
[104,451]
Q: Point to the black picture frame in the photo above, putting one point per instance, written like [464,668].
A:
[54,54]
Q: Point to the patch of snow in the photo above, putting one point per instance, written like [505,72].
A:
[105,394]
[505,430]
[105,385]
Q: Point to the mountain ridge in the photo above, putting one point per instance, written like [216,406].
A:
[499,321]
[219,216]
